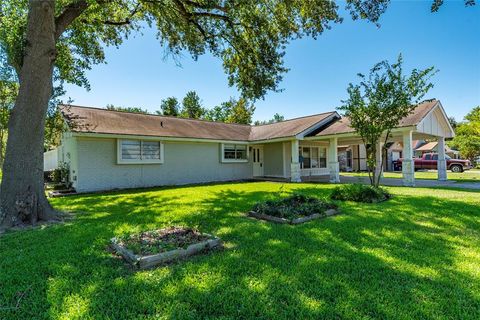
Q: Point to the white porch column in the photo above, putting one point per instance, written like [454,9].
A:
[295,175]
[333,164]
[442,162]
[408,166]
[378,160]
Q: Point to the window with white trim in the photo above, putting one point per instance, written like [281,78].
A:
[140,151]
[313,157]
[234,153]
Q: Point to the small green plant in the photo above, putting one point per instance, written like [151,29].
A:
[61,175]
[294,206]
[360,193]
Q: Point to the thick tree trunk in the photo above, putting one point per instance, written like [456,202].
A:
[22,197]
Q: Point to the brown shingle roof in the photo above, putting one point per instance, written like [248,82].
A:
[95,120]
[287,128]
[343,125]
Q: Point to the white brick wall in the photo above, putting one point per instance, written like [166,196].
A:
[184,163]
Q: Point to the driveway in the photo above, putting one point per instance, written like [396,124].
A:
[394,182]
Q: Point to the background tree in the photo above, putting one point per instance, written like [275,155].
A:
[54,123]
[126,109]
[8,94]
[169,107]
[377,104]
[54,127]
[467,135]
[276,118]
[241,111]
[47,40]
[218,113]
[453,122]
[192,106]
[232,111]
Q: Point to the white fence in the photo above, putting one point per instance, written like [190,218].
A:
[50,160]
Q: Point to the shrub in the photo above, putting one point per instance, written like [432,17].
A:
[359,193]
[293,206]
[61,175]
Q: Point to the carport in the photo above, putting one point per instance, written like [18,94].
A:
[428,121]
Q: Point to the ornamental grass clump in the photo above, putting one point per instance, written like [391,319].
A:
[360,193]
[294,206]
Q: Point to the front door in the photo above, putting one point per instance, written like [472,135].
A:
[257,159]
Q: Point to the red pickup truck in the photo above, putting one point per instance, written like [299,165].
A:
[429,161]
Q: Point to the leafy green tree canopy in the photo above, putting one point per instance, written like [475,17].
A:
[192,106]
[453,122]
[218,113]
[169,107]
[276,118]
[232,111]
[241,111]
[467,135]
[126,109]
[249,36]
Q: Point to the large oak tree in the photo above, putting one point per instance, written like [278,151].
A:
[47,40]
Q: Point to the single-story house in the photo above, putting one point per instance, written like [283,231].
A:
[107,149]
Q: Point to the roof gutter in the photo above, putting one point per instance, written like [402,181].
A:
[143,137]
[178,139]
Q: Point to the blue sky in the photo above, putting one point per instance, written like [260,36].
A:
[138,74]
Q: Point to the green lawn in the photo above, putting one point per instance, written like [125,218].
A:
[466,176]
[415,256]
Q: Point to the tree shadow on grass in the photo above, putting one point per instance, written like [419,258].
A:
[386,260]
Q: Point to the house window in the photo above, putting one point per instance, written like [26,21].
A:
[140,151]
[313,157]
[131,150]
[234,153]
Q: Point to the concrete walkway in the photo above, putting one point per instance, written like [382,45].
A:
[398,182]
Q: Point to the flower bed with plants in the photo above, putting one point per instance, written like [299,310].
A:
[294,209]
[152,248]
[360,193]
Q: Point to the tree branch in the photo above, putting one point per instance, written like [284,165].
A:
[187,15]
[71,12]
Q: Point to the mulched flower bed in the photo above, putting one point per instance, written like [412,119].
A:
[151,248]
[294,209]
